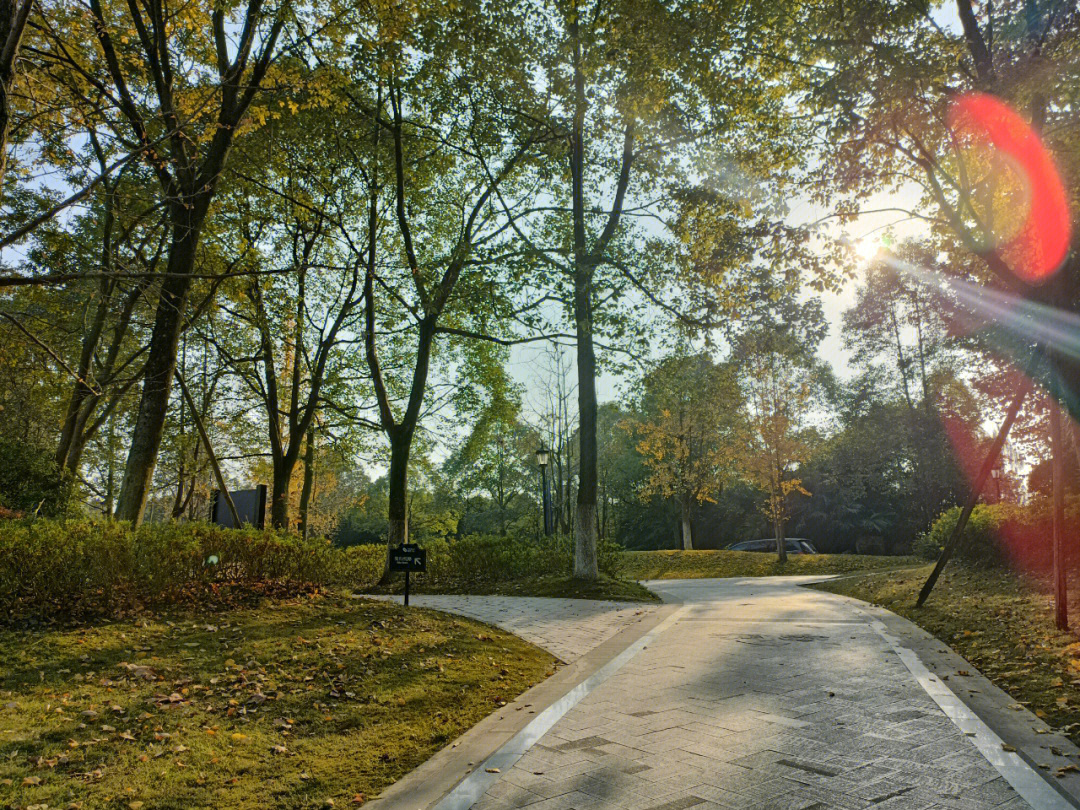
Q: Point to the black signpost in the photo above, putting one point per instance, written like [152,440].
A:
[408,557]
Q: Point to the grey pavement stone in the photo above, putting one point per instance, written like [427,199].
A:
[762,696]
[567,628]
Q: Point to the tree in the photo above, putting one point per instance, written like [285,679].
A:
[881,478]
[152,72]
[901,125]
[108,359]
[687,432]
[13,19]
[896,319]
[779,382]
[494,472]
[445,137]
[307,300]
[648,117]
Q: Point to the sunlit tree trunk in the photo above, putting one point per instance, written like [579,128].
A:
[309,482]
[13,17]
[687,528]
[161,361]
[1057,448]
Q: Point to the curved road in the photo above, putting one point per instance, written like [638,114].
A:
[755,693]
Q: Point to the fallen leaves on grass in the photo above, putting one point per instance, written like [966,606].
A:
[298,695]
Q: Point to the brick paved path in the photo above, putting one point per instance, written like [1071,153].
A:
[761,695]
[567,628]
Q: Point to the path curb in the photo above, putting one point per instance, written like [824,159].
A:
[1033,739]
[425,786]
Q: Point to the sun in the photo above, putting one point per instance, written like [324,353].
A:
[865,248]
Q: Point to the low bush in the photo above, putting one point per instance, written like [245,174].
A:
[31,481]
[477,560]
[74,568]
[926,546]
[1003,534]
[79,568]
[978,543]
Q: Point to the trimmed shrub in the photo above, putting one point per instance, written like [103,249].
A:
[74,568]
[479,559]
[79,568]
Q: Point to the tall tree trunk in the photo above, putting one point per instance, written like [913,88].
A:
[778,527]
[178,498]
[84,432]
[585,561]
[279,491]
[398,531]
[82,389]
[81,429]
[309,482]
[687,536]
[401,438]
[13,19]
[110,477]
[398,512]
[160,363]
[1057,448]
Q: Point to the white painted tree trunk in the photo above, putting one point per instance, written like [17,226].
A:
[585,564]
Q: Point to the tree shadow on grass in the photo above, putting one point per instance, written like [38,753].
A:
[355,692]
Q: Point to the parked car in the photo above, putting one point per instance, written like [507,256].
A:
[795,545]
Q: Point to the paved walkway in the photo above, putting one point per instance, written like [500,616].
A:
[757,694]
[567,628]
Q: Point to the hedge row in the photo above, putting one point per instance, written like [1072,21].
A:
[1004,534]
[75,569]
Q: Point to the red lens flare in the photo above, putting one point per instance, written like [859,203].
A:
[1039,247]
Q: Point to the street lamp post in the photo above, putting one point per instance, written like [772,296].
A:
[996,473]
[542,460]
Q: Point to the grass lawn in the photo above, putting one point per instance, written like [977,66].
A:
[999,621]
[639,565]
[292,704]
[605,587]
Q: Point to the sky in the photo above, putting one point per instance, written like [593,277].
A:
[528,362]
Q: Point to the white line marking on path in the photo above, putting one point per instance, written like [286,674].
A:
[476,784]
[1017,772]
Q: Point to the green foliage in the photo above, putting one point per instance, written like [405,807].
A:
[366,522]
[31,481]
[926,546]
[979,541]
[480,561]
[887,473]
[73,568]
[688,428]
[1004,534]
[76,569]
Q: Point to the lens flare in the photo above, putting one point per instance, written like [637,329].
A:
[1039,247]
